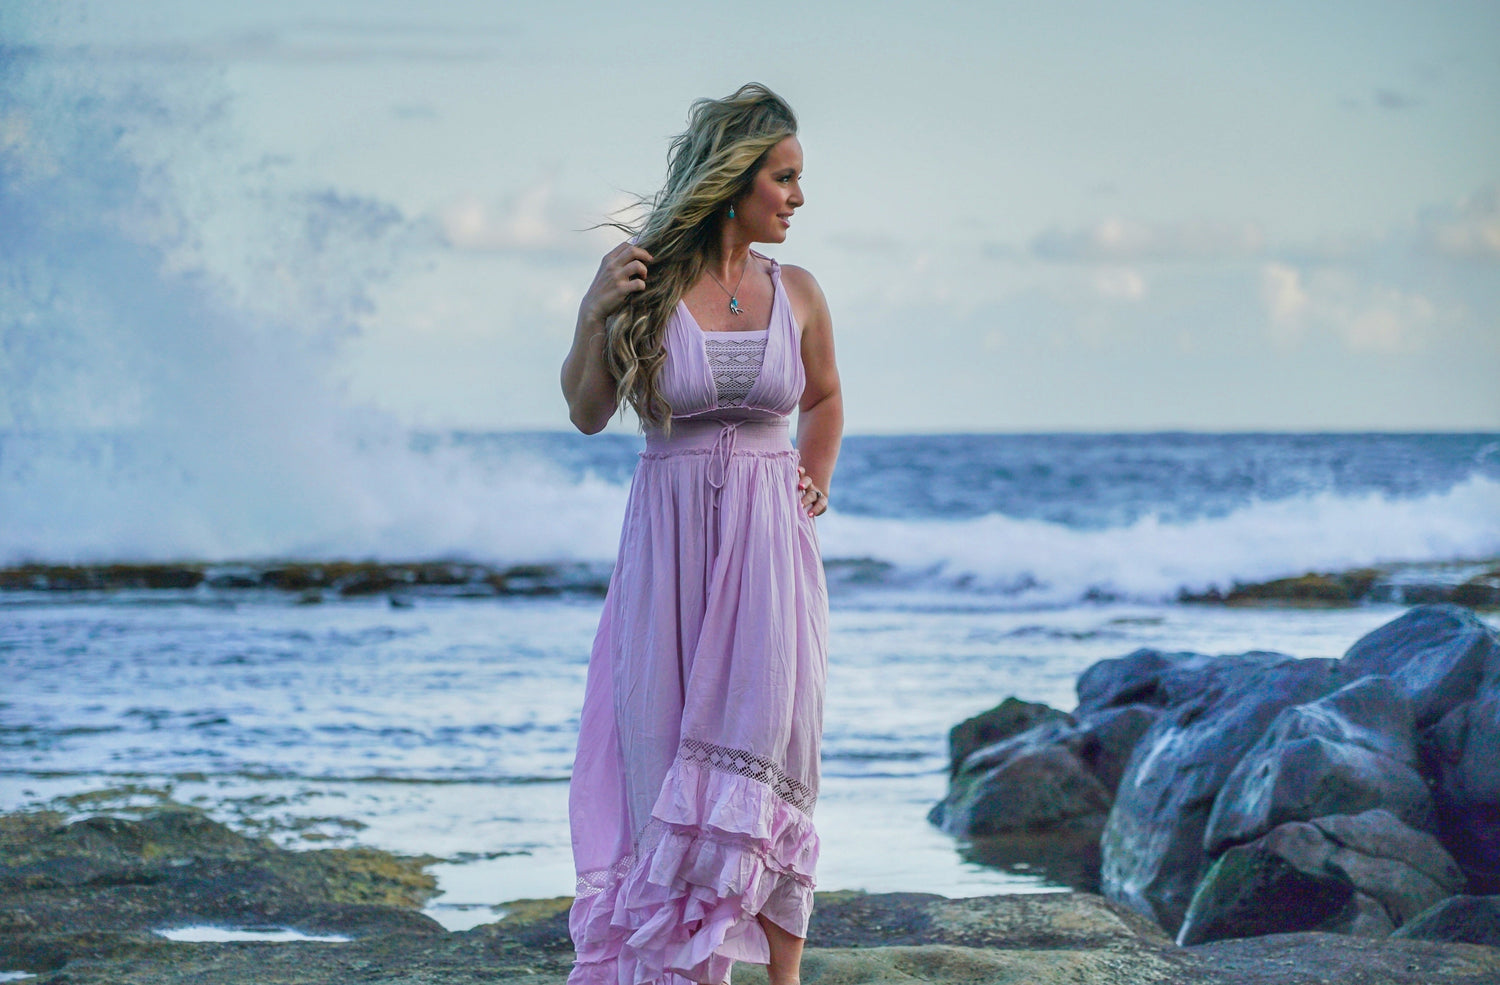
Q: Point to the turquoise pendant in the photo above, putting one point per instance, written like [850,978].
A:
[734,306]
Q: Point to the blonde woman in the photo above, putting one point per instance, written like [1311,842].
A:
[697,767]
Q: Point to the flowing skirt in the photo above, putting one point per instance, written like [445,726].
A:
[697,768]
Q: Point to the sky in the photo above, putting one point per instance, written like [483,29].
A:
[1026,217]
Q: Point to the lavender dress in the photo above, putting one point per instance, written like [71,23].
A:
[697,767]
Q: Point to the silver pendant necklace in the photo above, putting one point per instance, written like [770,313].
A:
[734,295]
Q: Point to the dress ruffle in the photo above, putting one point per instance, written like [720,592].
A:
[720,849]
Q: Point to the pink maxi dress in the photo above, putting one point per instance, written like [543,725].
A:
[697,767]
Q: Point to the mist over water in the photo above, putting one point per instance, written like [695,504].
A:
[167,391]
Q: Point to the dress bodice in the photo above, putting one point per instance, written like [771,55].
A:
[688,377]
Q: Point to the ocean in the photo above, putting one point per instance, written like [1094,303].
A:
[963,569]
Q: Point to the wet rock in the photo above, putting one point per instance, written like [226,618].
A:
[1438,653]
[1313,588]
[1010,717]
[1058,771]
[1475,585]
[1389,873]
[1162,680]
[105,883]
[1351,751]
[1152,847]
[309,580]
[1463,919]
[1365,916]
[1026,783]
[1105,740]
[1406,869]
[1254,890]
[100,577]
[1480,592]
[1152,678]
[1463,754]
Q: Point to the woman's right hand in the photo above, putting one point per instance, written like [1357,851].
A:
[622,273]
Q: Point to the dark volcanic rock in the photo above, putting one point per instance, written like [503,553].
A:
[1438,653]
[1153,844]
[1351,751]
[1105,740]
[1397,584]
[1162,680]
[1405,869]
[1057,772]
[1317,588]
[1026,783]
[1010,717]
[1463,754]
[1253,890]
[1464,919]
[1380,872]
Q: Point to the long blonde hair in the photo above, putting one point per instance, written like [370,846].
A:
[709,164]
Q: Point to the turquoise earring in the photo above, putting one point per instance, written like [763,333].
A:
[731,210]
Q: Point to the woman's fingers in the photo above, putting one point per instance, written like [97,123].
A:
[622,273]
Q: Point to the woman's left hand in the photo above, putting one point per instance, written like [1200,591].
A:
[814,500]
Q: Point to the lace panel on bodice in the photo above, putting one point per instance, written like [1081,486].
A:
[736,359]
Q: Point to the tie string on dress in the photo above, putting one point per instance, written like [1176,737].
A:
[719,455]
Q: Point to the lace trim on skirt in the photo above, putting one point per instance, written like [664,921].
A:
[741,763]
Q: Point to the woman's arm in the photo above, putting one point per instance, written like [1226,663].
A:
[820,416]
[586,381]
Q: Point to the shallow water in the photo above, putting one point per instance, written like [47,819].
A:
[203,933]
[447,728]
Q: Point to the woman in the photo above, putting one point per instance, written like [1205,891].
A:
[697,763]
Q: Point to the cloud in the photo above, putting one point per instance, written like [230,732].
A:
[24,157]
[1392,99]
[1117,240]
[1281,291]
[1470,230]
[1363,317]
[1120,284]
[532,222]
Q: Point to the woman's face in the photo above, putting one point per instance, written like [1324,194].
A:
[764,213]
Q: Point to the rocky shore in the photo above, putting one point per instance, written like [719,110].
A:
[314,581]
[85,903]
[1475,584]
[1238,796]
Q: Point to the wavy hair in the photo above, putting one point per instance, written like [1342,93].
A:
[711,163]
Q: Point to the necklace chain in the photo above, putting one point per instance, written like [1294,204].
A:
[734,295]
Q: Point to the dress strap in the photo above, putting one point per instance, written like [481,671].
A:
[775,265]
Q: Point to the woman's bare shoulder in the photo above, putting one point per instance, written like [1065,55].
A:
[805,293]
[799,279]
